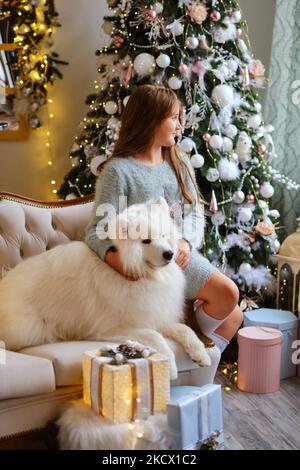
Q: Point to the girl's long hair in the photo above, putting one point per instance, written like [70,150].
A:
[146,108]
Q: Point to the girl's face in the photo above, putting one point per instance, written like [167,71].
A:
[168,129]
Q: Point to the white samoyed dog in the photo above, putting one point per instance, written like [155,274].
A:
[69,293]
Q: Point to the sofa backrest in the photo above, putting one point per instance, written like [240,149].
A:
[29,227]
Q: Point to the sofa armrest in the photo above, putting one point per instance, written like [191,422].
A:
[22,375]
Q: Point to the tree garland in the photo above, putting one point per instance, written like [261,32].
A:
[30,24]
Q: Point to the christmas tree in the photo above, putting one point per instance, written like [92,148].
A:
[200,50]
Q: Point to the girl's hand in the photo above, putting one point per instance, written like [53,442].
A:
[183,254]
[113,260]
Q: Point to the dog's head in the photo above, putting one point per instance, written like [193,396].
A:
[145,236]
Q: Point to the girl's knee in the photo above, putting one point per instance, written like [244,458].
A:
[221,292]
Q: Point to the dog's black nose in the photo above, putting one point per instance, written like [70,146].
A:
[168,255]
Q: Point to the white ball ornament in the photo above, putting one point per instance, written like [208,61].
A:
[254,121]
[266,190]
[195,108]
[71,196]
[227,144]
[245,214]
[192,42]
[119,358]
[175,83]
[187,145]
[232,65]
[177,29]
[231,131]
[158,7]
[238,197]
[197,160]
[111,107]
[107,27]
[212,175]
[237,16]
[163,61]
[218,218]
[96,161]
[258,107]
[216,142]
[222,95]
[144,64]
[245,268]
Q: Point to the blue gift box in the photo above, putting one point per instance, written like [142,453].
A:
[284,321]
[195,415]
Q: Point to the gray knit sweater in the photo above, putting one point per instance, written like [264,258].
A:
[139,182]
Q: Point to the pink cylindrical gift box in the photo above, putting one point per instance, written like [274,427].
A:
[298,367]
[259,359]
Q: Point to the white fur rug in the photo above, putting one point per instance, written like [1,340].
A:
[81,429]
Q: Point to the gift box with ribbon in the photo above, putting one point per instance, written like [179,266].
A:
[124,384]
[195,415]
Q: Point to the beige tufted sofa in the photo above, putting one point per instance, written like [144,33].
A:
[35,382]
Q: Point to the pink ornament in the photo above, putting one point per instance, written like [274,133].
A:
[128,73]
[213,206]
[215,15]
[203,44]
[250,198]
[206,137]
[198,67]
[239,32]
[262,149]
[118,41]
[246,77]
[182,68]
[150,15]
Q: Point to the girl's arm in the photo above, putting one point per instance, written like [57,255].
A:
[109,187]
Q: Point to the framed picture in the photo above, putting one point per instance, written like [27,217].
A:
[12,127]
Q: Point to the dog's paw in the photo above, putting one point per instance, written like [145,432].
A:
[201,357]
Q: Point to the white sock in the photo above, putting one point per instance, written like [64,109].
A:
[207,324]
[219,341]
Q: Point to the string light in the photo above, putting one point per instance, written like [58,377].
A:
[49,145]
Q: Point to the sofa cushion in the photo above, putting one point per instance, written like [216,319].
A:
[22,375]
[67,358]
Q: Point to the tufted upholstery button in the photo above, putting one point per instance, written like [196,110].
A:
[27,228]
[21,253]
[54,225]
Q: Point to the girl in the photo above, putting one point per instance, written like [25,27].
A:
[145,164]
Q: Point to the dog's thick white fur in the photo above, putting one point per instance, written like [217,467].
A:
[69,293]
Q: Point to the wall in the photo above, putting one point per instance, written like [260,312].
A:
[259,15]
[24,165]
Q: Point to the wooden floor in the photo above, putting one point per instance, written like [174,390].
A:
[262,421]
